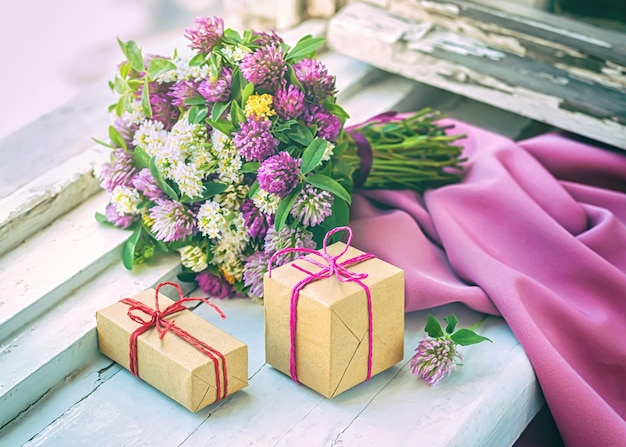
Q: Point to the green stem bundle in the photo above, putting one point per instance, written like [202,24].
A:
[412,152]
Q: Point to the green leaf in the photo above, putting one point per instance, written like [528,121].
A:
[195,101]
[165,187]
[198,60]
[284,207]
[197,114]
[247,91]
[187,276]
[119,86]
[253,189]
[133,54]
[224,126]
[236,85]
[433,327]
[452,321]
[301,134]
[336,110]
[103,143]
[466,337]
[159,66]
[305,47]
[218,109]
[236,113]
[328,184]
[128,251]
[160,245]
[231,36]
[101,219]
[250,167]
[145,99]
[210,189]
[116,138]
[141,158]
[313,155]
[292,78]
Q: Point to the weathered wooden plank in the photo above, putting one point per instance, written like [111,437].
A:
[37,275]
[42,354]
[273,410]
[530,87]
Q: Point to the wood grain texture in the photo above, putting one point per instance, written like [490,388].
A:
[572,79]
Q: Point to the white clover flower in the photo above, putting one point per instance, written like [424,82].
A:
[328,152]
[233,196]
[188,179]
[211,219]
[194,258]
[233,53]
[220,140]
[204,161]
[151,136]
[125,199]
[135,114]
[266,201]
[229,169]
[166,77]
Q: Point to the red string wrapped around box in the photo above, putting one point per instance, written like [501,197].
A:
[163,326]
[329,267]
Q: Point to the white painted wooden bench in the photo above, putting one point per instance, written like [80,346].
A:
[58,266]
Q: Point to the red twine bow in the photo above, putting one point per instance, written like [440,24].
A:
[329,267]
[163,326]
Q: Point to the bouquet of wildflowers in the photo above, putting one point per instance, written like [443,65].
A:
[238,149]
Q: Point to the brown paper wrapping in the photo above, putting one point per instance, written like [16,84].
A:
[332,323]
[171,365]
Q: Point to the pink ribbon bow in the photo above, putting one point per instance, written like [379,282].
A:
[329,267]
[163,326]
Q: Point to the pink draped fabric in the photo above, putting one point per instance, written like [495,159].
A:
[535,232]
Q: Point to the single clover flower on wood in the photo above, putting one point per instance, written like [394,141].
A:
[437,354]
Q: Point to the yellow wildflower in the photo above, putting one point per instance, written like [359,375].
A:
[147,220]
[260,106]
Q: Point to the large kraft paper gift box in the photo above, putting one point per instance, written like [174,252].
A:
[170,364]
[332,337]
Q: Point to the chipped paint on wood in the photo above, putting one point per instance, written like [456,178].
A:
[544,85]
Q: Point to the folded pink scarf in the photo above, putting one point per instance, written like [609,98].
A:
[534,232]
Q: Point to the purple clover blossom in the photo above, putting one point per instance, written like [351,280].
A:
[172,221]
[264,67]
[287,238]
[214,285]
[279,174]
[122,221]
[119,171]
[147,185]
[205,33]
[255,268]
[328,125]
[264,39]
[254,140]
[435,359]
[314,77]
[219,89]
[256,221]
[161,103]
[126,131]
[312,206]
[181,91]
[289,102]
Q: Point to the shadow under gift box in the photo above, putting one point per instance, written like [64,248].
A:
[332,322]
[172,365]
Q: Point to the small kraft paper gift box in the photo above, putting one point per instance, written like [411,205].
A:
[179,353]
[334,318]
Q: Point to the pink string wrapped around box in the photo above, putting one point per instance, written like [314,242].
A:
[329,267]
